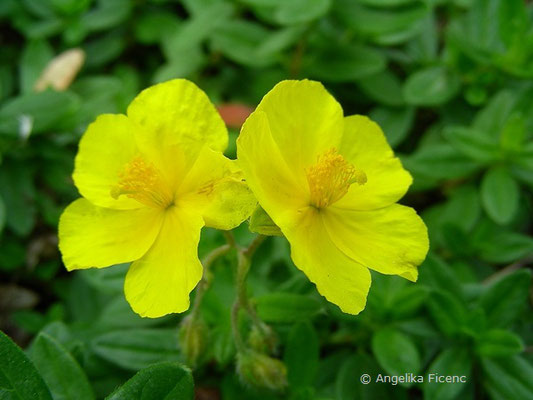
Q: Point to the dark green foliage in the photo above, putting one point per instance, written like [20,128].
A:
[451,84]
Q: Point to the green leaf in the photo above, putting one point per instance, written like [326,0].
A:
[505,298]
[437,274]
[472,143]
[498,245]
[302,355]
[287,307]
[18,193]
[431,86]
[348,380]
[2,215]
[191,60]
[491,120]
[104,49]
[395,122]
[260,222]
[19,380]
[35,57]
[387,3]
[118,314]
[499,343]
[137,348]
[163,381]
[448,312]
[509,378]
[500,195]
[107,280]
[239,41]
[439,161]
[36,113]
[197,29]
[301,11]
[396,352]
[61,372]
[155,26]
[343,63]
[383,87]
[383,25]
[452,361]
[107,15]
[513,134]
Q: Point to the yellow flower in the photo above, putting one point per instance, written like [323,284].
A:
[150,181]
[330,183]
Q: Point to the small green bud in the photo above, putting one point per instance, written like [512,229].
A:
[263,340]
[192,339]
[261,371]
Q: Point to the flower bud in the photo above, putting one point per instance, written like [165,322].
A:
[192,339]
[263,340]
[261,371]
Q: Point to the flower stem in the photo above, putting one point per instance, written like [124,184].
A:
[244,257]
[204,283]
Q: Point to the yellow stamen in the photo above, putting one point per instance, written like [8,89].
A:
[142,181]
[330,178]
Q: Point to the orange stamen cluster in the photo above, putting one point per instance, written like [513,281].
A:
[142,181]
[330,178]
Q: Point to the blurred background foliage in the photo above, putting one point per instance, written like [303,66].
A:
[449,81]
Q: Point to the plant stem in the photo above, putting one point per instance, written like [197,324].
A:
[244,257]
[203,285]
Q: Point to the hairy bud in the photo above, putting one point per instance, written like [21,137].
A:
[261,371]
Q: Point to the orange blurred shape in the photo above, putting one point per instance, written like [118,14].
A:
[234,114]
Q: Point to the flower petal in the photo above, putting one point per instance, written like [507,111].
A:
[91,236]
[277,187]
[160,282]
[338,278]
[305,120]
[105,148]
[365,146]
[391,240]
[215,187]
[177,112]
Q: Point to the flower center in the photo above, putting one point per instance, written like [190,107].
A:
[142,181]
[330,178]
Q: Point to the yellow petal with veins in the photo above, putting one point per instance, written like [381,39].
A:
[91,236]
[160,282]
